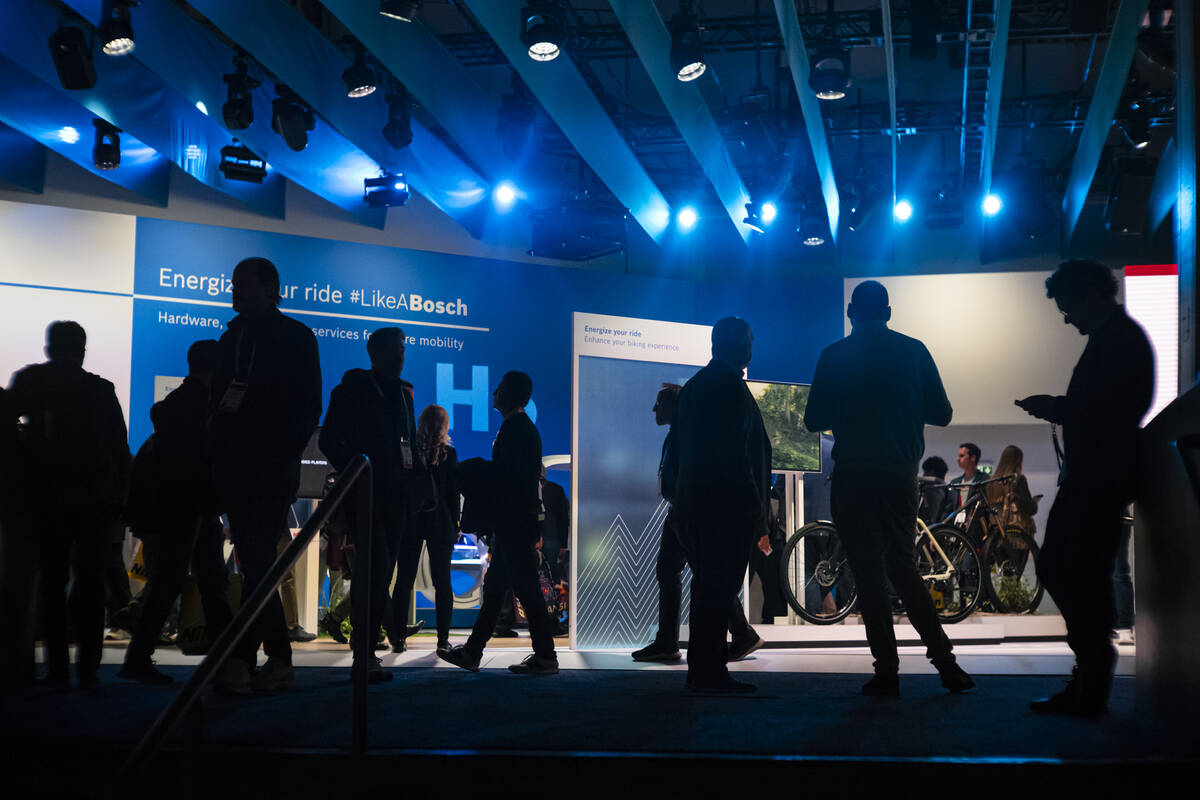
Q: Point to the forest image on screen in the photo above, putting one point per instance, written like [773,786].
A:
[782,407]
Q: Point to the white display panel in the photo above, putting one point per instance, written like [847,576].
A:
[64,264]
[995,337]
[1152,298]
[617,515]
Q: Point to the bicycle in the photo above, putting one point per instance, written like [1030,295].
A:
[1009,556]
[814,560]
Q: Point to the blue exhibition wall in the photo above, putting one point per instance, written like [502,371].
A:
[468,319]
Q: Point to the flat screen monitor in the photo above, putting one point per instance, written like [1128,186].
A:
[314,469]
[782,407]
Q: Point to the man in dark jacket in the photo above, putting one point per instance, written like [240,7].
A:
[1110,390]
[514,474]
[723,495]
[371,412]
[76,457]
[877,390]
[266,402]
[175,514]
[672,556]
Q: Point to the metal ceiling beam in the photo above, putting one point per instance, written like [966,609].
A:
[810,106]
[191,60]
[650,38]
[997,60]
[1164,192]
[285,43]
[570,102]
[1113,76]
[412,54]
[889,52]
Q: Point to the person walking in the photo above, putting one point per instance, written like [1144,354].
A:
[876,390]
[723,495]
[1110,391]
[266,402]
[438,527]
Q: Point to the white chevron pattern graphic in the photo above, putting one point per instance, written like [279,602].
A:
[618,593]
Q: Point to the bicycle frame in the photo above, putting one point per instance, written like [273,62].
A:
[923,532]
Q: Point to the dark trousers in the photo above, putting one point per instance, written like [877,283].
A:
[718,548]
[168,550]
[18,579]
[875,513]
[672,556]
[514,565]
[1123,581]
[389,530]
[440,549]
[255,526]
[1083,531]
[73,544]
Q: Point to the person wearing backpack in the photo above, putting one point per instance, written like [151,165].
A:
[75,454]
[174,512]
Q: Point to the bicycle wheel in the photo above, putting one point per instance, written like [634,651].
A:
[1010,567]
[955,582]
[816,577]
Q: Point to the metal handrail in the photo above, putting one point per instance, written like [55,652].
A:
[153,739]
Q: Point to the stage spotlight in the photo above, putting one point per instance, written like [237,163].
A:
[505,195]
[759,216]
[686,219]
[385,191]
[239,163]
[290,118]
[687,53]
[829,76]
[902,211]
[68,135]
[238,110]
[72,58]
[203,109]
[543,30]
[403,10]
[992,205]
[106,152]
[812,228]
[398,130]
[116,32]
[358,77]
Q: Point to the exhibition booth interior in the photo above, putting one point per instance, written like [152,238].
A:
[594,254]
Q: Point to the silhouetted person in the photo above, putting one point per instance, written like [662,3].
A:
[371,412]
[723,497]
[933,489]
[175,514]
[514,471]
[18,559]
[76,459]
[963,488]
[266,402]
[438,527]
[1110,390]
[556,527]
[764,560]
[877,390]
[672,556]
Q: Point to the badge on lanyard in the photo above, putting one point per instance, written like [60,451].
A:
[234,395]
[406,458]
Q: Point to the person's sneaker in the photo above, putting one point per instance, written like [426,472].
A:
[233,678]
[415,628]
[882,686]
[739,650]
[533,664]
[504,633]
[443,646]
[333,629]
[664,654]
[400,646]
[459,656]
[276,675]
[298,634]
[144,672]
[1123,636]
[955,679]
[729,685]
[117,635]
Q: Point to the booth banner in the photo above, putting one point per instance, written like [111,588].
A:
[620,365]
